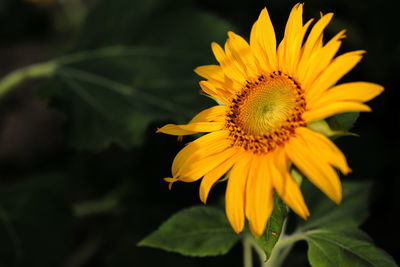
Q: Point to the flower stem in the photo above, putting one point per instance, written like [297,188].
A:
[282,249]
[106,204]
[247,251]
[39,70]
[249,243]
[279,253]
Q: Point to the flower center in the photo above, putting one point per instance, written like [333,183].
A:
[266,112]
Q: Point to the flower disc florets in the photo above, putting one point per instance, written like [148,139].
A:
[266,112]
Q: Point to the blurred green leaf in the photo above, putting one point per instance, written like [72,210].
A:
[351,212]
[343,122]
[347,247]
[179,24]
[35,223]
[107,102]
[197,231]
[133,75]
[322,126]
[274,227]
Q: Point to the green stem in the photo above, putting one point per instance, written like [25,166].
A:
[290,239]
[84,252]
[247,251]
[47,69]
[40,70]
[250,243]
[280,258]
[282,249]
[74,11]
[106,204]
[279,253]
[96,206]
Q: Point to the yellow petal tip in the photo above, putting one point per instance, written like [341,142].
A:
[215,45]
[347,171]
[164,128]
[203,196]
[238,229]
[170,181]
[305,215]
[337,199]
[196,70]
[256,231]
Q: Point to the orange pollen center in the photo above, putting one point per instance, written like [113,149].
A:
[265,113]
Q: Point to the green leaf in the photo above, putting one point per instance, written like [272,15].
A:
[331,231]
[343,122]
[274,227]
[351,212]
[322,126]
[196,231]
[351,247]
[126,76]
[103,110]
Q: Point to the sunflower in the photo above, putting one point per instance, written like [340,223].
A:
[267,97]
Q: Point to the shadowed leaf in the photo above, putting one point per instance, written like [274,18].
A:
[197,231]
[274,227]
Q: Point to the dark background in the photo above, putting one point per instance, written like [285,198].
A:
[76,189]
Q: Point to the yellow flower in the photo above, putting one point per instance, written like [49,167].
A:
[267,96]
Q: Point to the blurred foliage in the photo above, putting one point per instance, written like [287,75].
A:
[144,74]
[35,220]
[125,68]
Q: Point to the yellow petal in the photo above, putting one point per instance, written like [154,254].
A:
[313,38]
[214,175]
[204,146]
[259,52]
[334,108]
[318,171]
[194,170]
[215,113]
[263,41]
[296,50]
[174,129]
[235,59]
[289,48]
[242,53]
[228,64]
[325,148]
[354,91]
[235,194]
[336,70]
[191,128]
[259,194]
[319,60]
[286,186]
[211,72]
[217,93]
